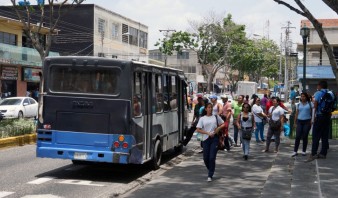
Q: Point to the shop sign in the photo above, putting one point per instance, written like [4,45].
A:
[9,73]
[31,75]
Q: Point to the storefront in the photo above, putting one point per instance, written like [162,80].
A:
[18,81]
[9,78]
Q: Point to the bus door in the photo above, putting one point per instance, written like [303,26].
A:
[147,122]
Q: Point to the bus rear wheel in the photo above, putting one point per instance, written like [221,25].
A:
[157,155]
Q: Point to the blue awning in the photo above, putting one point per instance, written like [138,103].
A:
[316,72]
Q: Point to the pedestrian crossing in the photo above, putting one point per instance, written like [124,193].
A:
[44,180]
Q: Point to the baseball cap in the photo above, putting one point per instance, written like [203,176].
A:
[213,97]
[224,96]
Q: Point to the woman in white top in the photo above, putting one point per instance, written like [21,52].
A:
[276,115]
[208,126]
[259,115]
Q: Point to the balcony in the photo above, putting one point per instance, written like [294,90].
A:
[11,54]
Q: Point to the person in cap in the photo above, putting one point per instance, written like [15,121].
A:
[216,107]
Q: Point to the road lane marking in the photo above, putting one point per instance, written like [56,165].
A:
[41,180]
[80,182]
[41,196]
[4,193]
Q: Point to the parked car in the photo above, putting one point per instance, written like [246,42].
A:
[19,107]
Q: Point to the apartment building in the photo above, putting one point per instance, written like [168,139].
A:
[20,64]
[317,62]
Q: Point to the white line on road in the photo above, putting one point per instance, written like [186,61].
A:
[318,179]
[80,182]
[4,193]
[41,180]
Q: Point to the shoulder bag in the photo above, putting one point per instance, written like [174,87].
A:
[274,125]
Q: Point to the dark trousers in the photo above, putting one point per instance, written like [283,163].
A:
[209,154]
[189,134]
[302,133]
[235,132]
[321,132]
[270,133]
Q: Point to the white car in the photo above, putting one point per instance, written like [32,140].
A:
[19,107]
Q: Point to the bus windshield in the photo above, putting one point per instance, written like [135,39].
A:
[87,80]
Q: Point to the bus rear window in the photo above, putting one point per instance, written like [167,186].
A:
[84,80]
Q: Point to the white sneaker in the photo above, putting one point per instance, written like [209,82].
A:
[294,154]
[209,179]
[303,153]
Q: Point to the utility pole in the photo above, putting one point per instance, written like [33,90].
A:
[166,34]
[287,51]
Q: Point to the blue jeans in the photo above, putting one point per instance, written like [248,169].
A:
[260,129]
[245,145]
[321,131]
[209,154]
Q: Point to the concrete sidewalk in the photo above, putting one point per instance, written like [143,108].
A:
[263,175]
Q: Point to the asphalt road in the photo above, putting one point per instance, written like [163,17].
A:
[24,175]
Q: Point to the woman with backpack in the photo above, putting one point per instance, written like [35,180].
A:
[303,122]
[208,126]
[246,125]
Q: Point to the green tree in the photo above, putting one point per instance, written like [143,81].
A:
[212,42]
[254,58]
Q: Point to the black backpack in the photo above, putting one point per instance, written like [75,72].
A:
[327,103]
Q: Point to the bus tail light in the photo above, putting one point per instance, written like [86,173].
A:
[116,144]
[47,126]
[125,145]
[121,138]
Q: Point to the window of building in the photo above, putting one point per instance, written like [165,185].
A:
[101,25]
[183,55]
[8,38]
[133,36]
[143,42]
[115,31]
[155,55]
[125,33]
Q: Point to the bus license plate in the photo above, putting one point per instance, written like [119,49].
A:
[81,156]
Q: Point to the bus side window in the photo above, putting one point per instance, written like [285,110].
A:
[173,93]
[137,95]
[159,93]
[166,93]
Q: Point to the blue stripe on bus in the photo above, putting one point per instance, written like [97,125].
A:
[83,146]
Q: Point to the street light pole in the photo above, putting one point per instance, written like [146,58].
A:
[304,32]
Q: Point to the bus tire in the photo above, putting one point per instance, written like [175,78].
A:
[157,155]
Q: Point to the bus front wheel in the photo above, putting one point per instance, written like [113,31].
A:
[157,155]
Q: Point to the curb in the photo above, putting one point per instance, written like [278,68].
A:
[18,140]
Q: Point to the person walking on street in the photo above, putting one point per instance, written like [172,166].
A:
[208,125]
[216,107]
[303,122]
[226,116]
[276,121]
[321,124]
[237,108]
[259,116]
[264,101]
[292,117]
[246,125]
[195,119]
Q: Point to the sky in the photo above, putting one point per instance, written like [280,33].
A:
[261,17]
